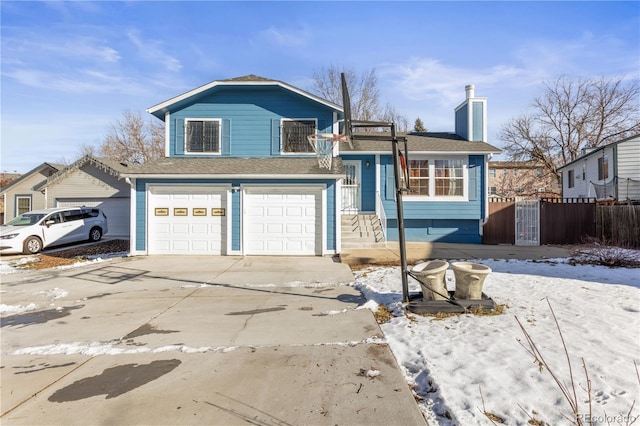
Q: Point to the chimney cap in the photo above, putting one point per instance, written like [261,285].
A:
[470,90]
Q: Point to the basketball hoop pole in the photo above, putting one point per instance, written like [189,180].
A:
[397,169]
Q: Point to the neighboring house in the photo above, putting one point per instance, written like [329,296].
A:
[508,179]
[92,182]
[240,177]
[609,172]
[20,197]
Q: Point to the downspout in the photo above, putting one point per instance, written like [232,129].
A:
[485,190]
[132,215]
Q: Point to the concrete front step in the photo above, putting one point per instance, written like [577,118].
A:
[363,230]
[363,245]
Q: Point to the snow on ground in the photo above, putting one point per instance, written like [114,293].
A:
[465,365]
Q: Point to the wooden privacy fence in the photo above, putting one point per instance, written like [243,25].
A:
[619,225]
[567,221]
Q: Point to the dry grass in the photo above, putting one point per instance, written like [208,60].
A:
[477,311]
[382,315]
[73,255]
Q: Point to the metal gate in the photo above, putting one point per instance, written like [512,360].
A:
[527,221]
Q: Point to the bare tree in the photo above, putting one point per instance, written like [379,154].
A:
[86,149]
[364,93]
[571,115]
[390,115]
[133,139]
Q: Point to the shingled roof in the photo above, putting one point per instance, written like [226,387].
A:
[423,142]
[112,167]
[247,80]
[276,167]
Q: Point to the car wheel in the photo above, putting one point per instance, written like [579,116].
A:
[32,245]
[95,234]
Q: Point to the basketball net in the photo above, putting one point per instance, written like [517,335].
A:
[322,144]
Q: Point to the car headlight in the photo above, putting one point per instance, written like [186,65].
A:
[8,236]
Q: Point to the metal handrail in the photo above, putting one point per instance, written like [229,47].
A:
[381,214]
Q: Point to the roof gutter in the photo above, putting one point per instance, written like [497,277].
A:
[231,176]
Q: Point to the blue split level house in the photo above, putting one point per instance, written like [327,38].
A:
[240,178]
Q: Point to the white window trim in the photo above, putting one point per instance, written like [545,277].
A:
[186,141]
[432,182]
[282,151]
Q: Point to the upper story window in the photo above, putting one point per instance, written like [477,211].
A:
[437,178]
[603,167]
[294,135]
[572,179]
[492,173]
[202,136]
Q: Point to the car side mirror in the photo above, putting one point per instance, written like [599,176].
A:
[48,223]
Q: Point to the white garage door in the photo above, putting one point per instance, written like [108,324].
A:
[283,221]
[187,220]
[116,210]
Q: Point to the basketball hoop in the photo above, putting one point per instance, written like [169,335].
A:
[322,144]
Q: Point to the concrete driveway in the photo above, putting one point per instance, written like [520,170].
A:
[196,340]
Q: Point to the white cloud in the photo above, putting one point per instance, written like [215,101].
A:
[286,37]
[427,79]
[152,51]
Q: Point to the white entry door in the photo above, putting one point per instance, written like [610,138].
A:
[351,200]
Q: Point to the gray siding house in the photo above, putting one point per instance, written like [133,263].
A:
[20,195]
[91,182]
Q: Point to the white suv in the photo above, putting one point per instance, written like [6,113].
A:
[30,232]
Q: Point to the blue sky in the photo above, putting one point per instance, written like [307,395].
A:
[70,69]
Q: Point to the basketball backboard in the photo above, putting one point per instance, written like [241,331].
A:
[346,104]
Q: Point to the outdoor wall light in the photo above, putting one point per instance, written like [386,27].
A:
[367,164]
[235,188]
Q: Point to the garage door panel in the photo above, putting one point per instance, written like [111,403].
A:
[283,221]
[188,234]
[200,228]
[180,229]
[274,228]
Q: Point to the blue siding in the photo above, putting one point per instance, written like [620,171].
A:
[437,230]
[236,218]
[141,217]
[251,117]
[478,124]
[462,122]
[447,221]
[236,214]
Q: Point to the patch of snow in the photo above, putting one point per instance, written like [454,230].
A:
[102,348]
[16,309]
[54,293]
[333,312]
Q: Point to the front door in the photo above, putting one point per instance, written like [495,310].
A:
[351,187]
